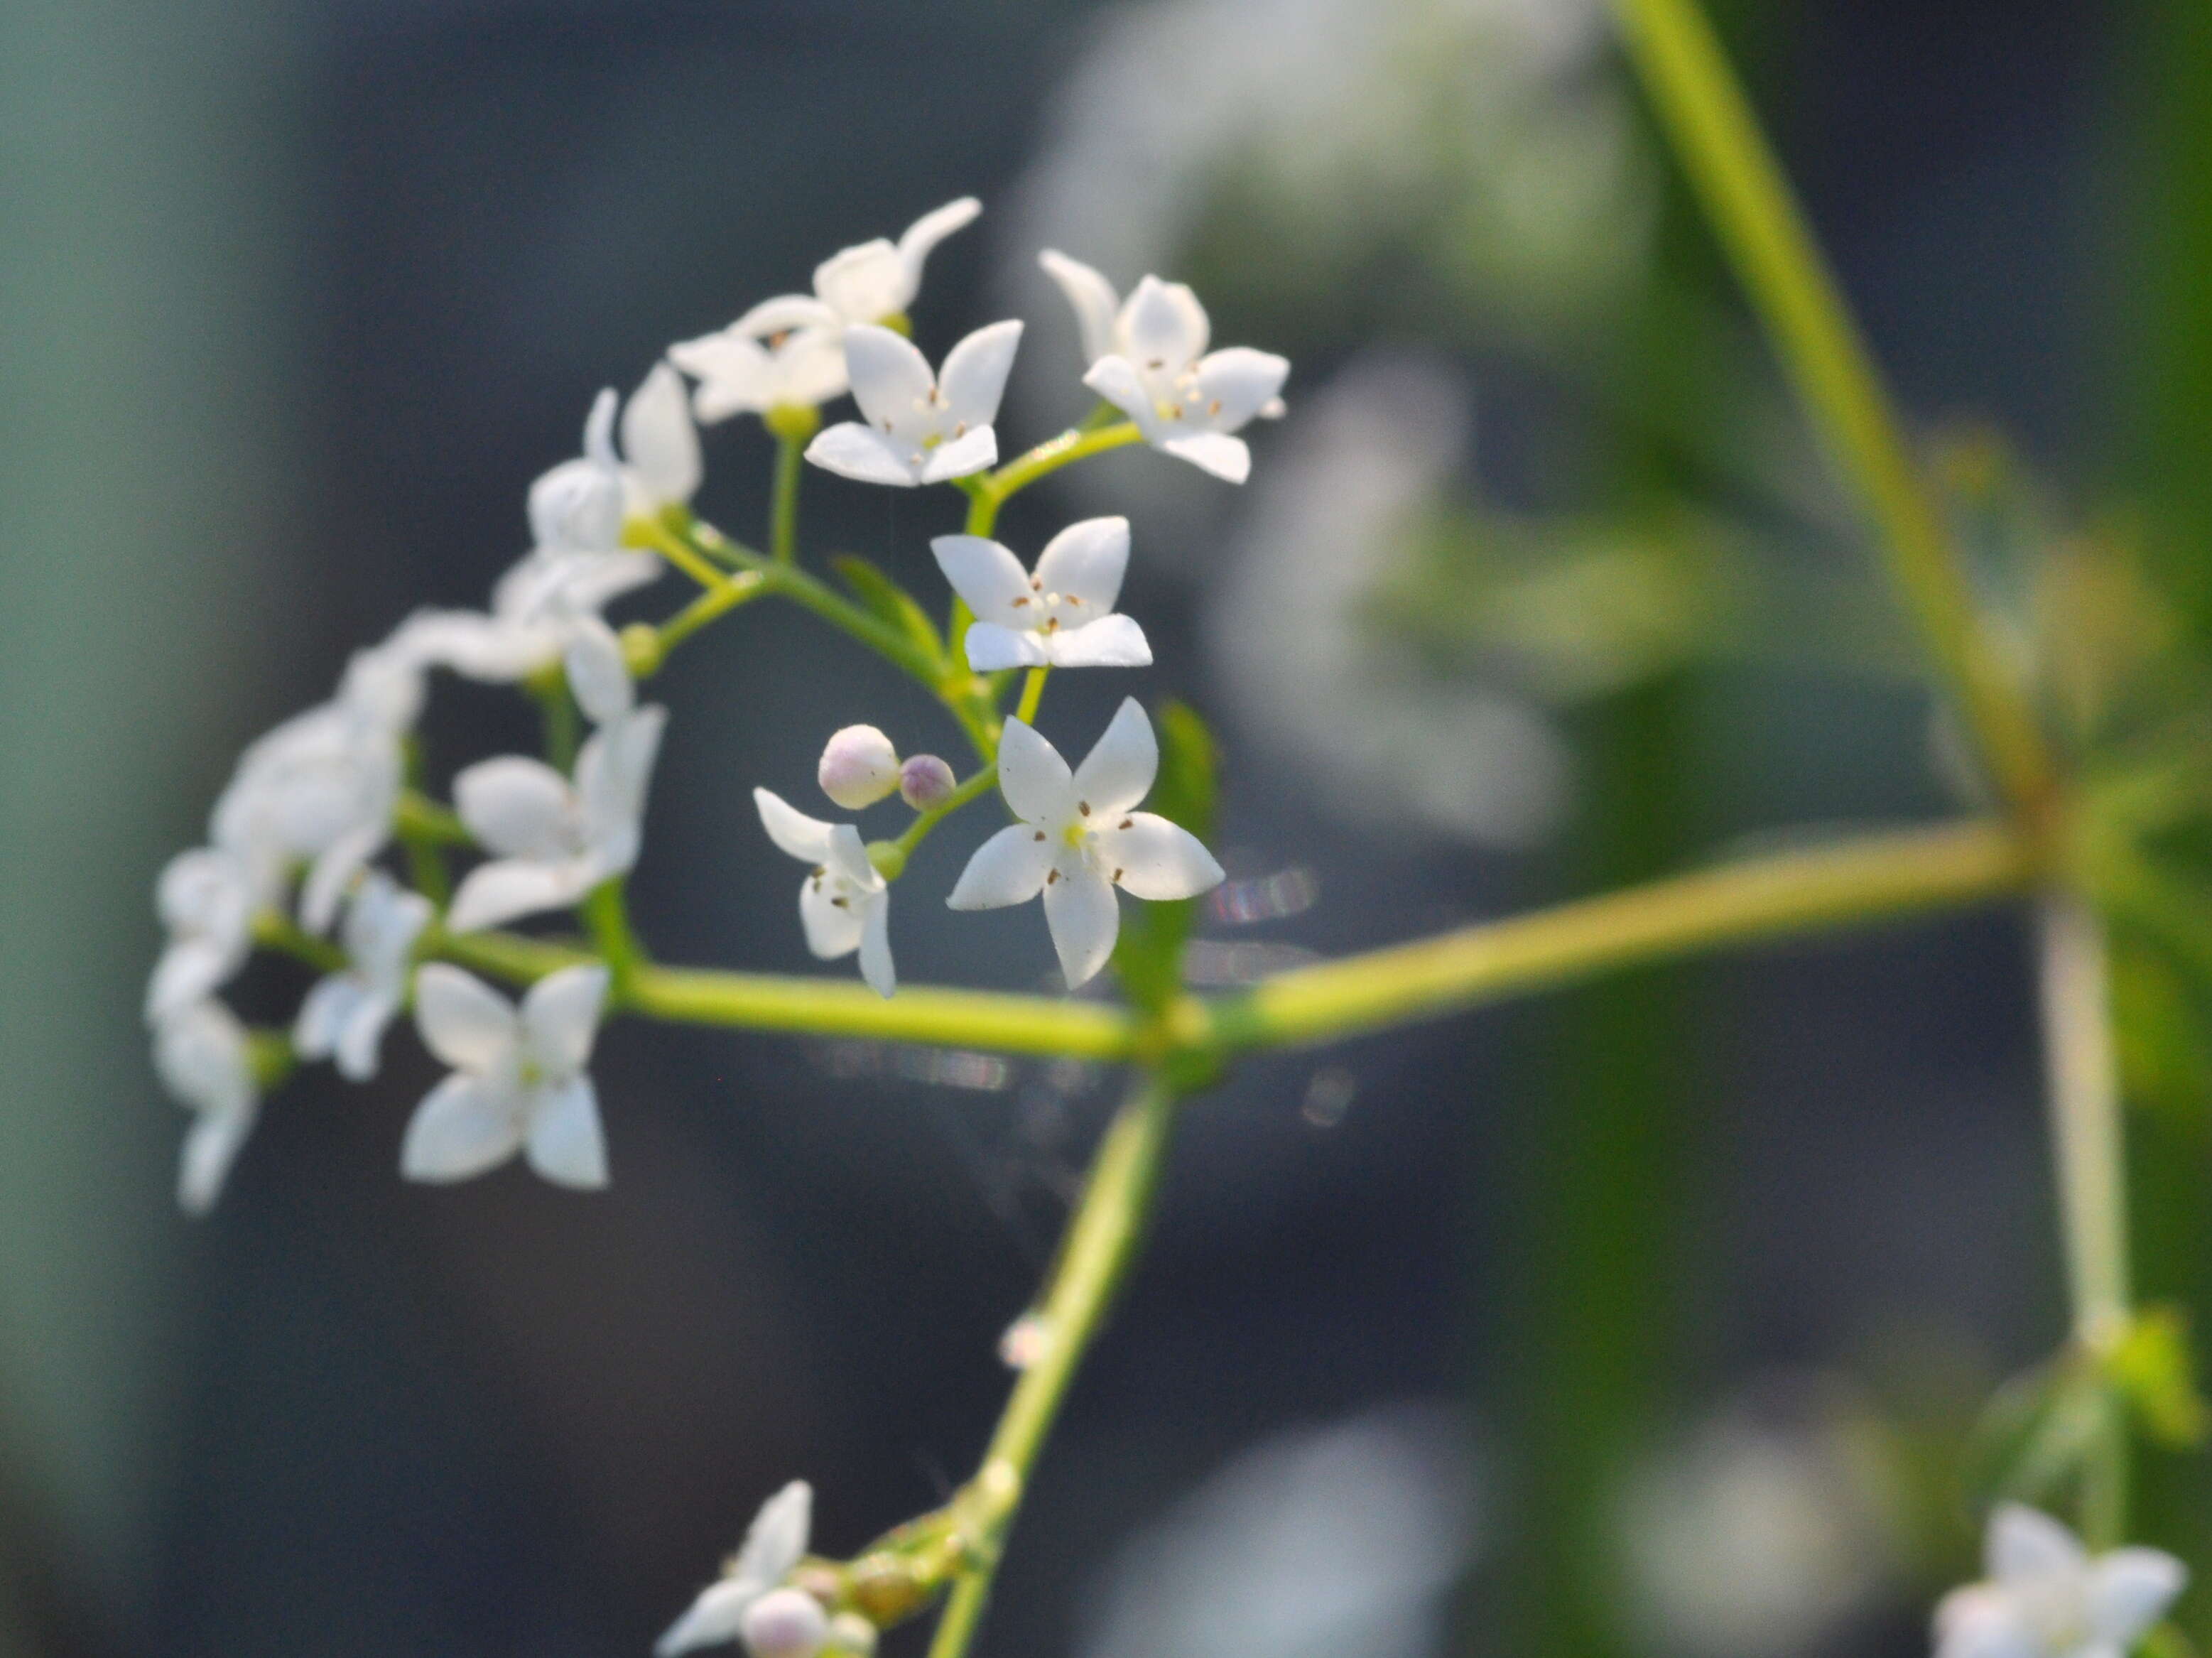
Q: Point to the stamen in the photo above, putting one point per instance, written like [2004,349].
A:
[1040,835]
[1126,822]
[1083,806]
[1051,876]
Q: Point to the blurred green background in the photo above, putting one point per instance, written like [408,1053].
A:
[1650,1319]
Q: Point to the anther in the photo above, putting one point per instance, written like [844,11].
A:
[1083,806]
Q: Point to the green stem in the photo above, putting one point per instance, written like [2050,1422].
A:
[918,831]
[724,596]
[1716,136]
[274,930]
[1032,694]
[606,916]
[1077,443]
[560,711]
[783,510]
[1102,1240]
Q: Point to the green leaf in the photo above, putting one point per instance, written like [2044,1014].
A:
[2152,1368]
[2164,1034]
[2037,1433]
[1149,956]
[889,601]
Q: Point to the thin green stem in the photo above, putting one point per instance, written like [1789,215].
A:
[1746,196]
[274,930]
[560,712]
[727,594]
[970,787]
[606,917]
[1077,443]
[1103,1239]
[783,510]
[1032,694]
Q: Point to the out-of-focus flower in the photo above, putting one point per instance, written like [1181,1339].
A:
[577,506]
[2047,1597]
[773,1546]
[344,1015]
[858,766]
[661,463]
[1062,617]
[919,427]
[779,354]
[535,610]
[875,281]
[201,1053]
[1079,837]
[1314,1544]
[1369,460]
[206,898]
[784,1623]
[1148,358]
[519,1082]
[844,902]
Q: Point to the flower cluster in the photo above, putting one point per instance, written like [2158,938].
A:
[328,845]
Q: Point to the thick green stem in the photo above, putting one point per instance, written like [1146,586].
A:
[783,509]
[1102,1240]
[1714,133]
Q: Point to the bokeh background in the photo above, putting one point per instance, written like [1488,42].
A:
[1650,1319]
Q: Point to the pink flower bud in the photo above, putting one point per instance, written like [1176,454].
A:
[858,766]
[926,781]
[784,1623]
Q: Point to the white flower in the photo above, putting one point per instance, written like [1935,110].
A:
[918,429]
[844,902]
[1063,616]
[553,841]
[2047,1597]
[784,1623]
[519,1082]
[206,899]
[345,1014]
[321,787]
[201,1052]
[1079,837]
[535,611]
[858,766]
[577,506]
[774,1544]
[783,353]
[1148,358]
[660,447]
[875,281]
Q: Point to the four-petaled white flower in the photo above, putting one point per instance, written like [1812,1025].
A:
[1148,358]
[206,898]
[661,465]
[876,281]
[2048,1597]
[553,840]
[784,353]
[202,1055]
[774,1544]
[1079,837]
[519,1081]
[844,902]
[1062,617]
[343,1017]
[920,427]
[535,608]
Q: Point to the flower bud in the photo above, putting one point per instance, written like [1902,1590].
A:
[925,782]
[784,1623]
[859,767]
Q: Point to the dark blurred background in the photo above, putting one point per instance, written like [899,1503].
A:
[1651,1317]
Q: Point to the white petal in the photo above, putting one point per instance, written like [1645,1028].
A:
[1118,772]
[492,894]
[1087,559]
[891,379]
[212,1147]
[599,430]
[1155,859]
[355,1052]
[1034,778]
[2025,1546]
[1235,384]
[975,374]
[1112,641]
[715,1617]
[805,838]
[989,576]
[1980,1621]
[974,451]
[517,807]
[832,928]
[566,1144]
[334,869]
[1226,457]
[614,770]
[329,1004]
[863,454]
[2130,1590]
[381,925]
[583,582]
[598,674]
[660,442]
[924,234]
[1164,326]
[863,284]
[991,647]
[776,1540]
[1009,868]
[189,970]
[876,945]
[1116,379]
[1084,918]
[785,313]
[1092,297]
[483,647]
[200,1053]
[464,1021]
[848,857]
[561,1016]
[462,1128]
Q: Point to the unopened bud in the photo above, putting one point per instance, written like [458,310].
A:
[784,1623]
[858,766]
[925,782]
[852,1633]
